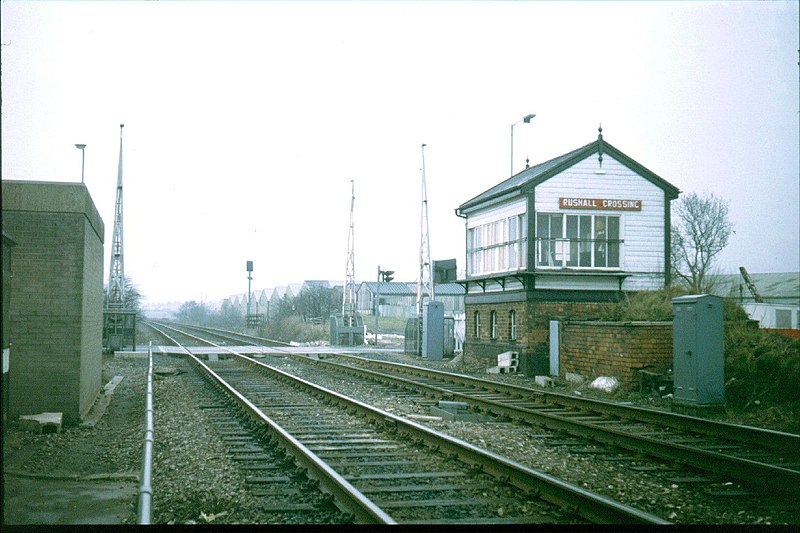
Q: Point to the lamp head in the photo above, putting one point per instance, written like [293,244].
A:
[528,118]
[80,146]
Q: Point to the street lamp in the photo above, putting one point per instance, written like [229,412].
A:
[83,158]
[526,119]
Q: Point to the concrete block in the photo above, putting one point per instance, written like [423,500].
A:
[111,385]
[213,357]
[130,355]
[507,357]
[42,423]
[573,378]
[453,406]
[543,381]
[462,416]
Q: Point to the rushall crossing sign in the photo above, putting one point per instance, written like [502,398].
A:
[600,203]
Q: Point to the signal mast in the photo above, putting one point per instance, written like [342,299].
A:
[349,292]
[425,280]
[116,272]
[349,329]
[119,323]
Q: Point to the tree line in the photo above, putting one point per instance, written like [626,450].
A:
[315,304]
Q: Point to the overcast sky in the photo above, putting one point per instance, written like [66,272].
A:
[245,122]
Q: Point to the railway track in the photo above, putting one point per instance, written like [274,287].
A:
[377,467]
[767,461]
[764,460]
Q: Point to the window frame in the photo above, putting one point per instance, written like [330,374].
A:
[498,246]
[493,330]
[578,245]
[512,325]
[477,324]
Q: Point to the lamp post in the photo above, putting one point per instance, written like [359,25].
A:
[526,119]
[83,158]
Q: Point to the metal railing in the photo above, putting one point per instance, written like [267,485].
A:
[144,507]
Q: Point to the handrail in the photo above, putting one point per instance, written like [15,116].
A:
[144,508]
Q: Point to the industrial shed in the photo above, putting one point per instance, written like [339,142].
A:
[557,240]
[396,299]
[400,299]
[775,304]
[56,305]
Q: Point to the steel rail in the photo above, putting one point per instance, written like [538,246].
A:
[788,443]
[144,513]
[775,440]
[234,334]
[348,498]
[586,504]
[589,505]
[752,472]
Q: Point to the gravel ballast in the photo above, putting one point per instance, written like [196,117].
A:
[195,481]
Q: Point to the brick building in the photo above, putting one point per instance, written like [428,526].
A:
[557,241]
[56,302]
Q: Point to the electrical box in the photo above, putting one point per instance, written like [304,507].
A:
[698,358]
[119,329]
[432,330]
[347,330]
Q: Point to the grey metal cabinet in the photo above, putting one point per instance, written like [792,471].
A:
[698,358]
[432,330]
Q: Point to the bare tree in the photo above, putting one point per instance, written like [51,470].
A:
[131,298]
[700,230]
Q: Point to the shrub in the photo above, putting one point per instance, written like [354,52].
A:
[292,328]
[761,368]
[651,306]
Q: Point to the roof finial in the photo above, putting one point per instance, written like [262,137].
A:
[527,162]
[600,144]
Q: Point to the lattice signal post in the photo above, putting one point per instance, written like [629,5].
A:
[119,322]
[425,281]
[349,329]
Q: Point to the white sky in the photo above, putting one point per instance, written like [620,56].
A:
[245,122]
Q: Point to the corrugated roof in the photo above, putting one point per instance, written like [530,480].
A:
[279,292]
[530,177]
[770,285]
[316,283]
[389,289]
[449,289]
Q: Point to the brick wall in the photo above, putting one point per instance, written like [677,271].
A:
[615,349]
[56,299]
[533,326]
[589,348]
[92,319]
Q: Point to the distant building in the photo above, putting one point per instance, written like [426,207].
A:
[558,240]
[779,309]
[400,299]
[396,299]
[773,287]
